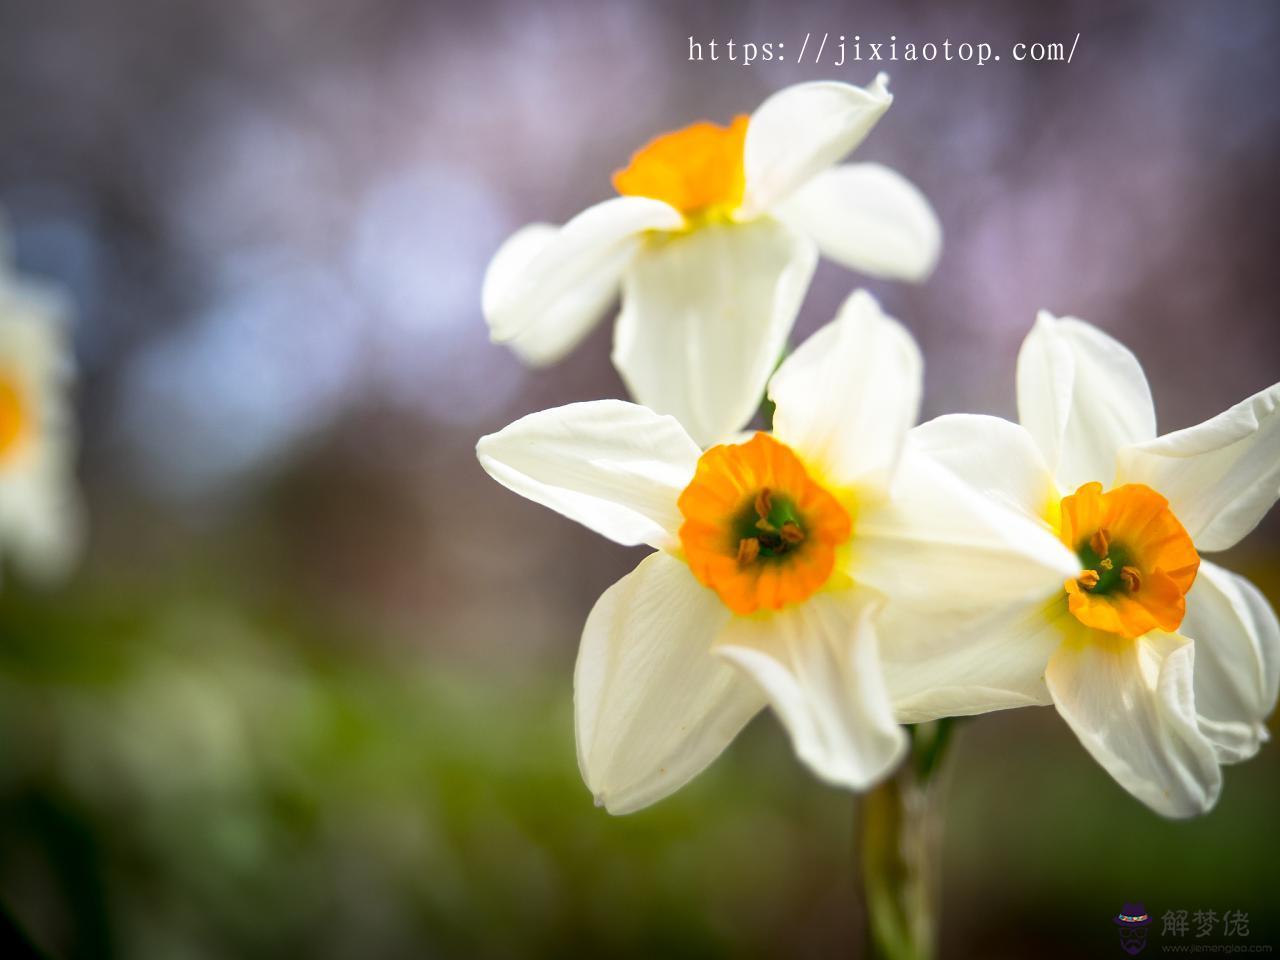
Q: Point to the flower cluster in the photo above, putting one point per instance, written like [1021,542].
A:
[848,568]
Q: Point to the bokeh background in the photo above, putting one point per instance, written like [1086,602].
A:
[309,692]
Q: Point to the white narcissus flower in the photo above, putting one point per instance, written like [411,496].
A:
[713,244]
[40,514]
[773,557]
[1163,664]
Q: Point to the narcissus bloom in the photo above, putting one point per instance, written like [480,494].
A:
[713,242]
[39,507]
[1162,663]
[774,555]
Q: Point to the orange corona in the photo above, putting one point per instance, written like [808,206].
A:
[14,419]
[1137,561]
[757,529]
[698,170]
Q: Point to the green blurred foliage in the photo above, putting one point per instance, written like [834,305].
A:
[200,777]
[190,782]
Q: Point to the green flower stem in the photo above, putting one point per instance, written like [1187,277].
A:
[897,833]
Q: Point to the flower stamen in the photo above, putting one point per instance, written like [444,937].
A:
[1100,542]
[764,503]
[1088,579]
[748,550]
[1131,577]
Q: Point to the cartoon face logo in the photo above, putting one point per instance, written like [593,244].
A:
[1132,922]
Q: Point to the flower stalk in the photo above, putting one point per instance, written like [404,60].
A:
[897,837]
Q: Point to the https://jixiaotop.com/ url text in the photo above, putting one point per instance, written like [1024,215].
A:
[838,50]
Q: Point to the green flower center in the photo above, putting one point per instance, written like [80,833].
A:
[1109,564]
[768,527]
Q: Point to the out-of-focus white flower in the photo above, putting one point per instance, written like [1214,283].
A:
[1163,664]
[773,557]
[40,511]
[713,244]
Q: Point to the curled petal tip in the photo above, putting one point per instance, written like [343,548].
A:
[1045,318]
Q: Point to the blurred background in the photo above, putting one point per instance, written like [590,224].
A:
[309,692]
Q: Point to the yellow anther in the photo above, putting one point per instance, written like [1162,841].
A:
[1100,542]
[1088,579]
[764,503]
[1131,577]
[748,550]
[791,533]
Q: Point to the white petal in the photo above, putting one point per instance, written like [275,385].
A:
[980,650]
[653,706]
[565,279]
[1083,396]
[704,318]
[847,397]
[1237,643]
[1131,704]
[42,518]
[1221,476]
[559,328]
[818,663]
[613,466]
[801,130]
[868,218]
[944,547]
[997,458]
[936,668]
